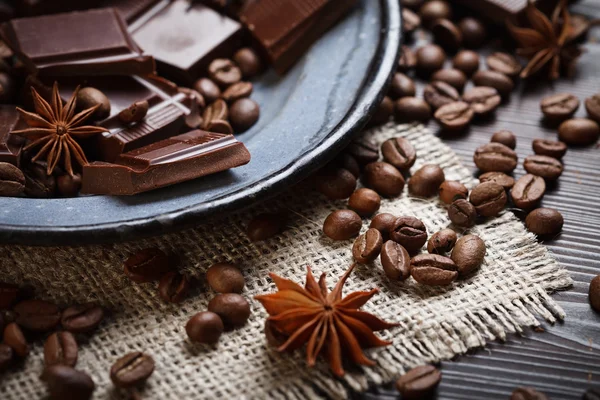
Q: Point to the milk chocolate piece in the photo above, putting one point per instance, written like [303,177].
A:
[131,10]
[177,159]
[500,10]
[93,42]
[10,145]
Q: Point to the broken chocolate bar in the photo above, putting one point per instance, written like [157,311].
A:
[10,145]
[177,159]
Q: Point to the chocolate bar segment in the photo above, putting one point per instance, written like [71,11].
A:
[10,145]
[177,159]
[93,42]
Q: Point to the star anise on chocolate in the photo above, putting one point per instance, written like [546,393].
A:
[53,127]
[547,41]
[326,322]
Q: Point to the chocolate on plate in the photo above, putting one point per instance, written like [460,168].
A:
[10,145]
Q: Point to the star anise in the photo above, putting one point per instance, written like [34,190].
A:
[54,126]
[323,320]
[547,41]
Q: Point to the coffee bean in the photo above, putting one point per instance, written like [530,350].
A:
[224,72]
[395,261]
[500,178]
[89,97]
[208,89]
[409,109]
[132,369]
[6,356]
[482,99]
[410,21]
[248,61]
[525,393]
[173,287]
[402,86]
[550,148]
[437,94]
[592,106]
[265,226]
[8,295]
[473,32]
[383,112]
[454,116]
[546,167]
[466,61]
[504,63]
[205,327]
[243,114]
[82,318]
[579,131]
[544,221]
[452,76]
[65,382]
[426,181]
[399,152]
[147,265]
[495,157]
[502,83]
[410,232]
[67,185]
[367,246]
[468,254]
[364,152]
[505,137]
[591,394]
[60,348]
[430,58]
[134,113]
[447,35]
[225,278]
[365,202]
[433,269]
[528,191]
[37,315]
[346,161]
[13,336]
[489,199]
[462,213]
[342,225]
[233,309]
[12,180]
[433,10]
[441,242]
[384,178]
[412,4]
[559,106]
[335,183]
[419,383]
[383,223]
[408,59]
[237,91]
[451,191]
[594,293]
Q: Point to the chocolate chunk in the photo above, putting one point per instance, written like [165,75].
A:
[10,145]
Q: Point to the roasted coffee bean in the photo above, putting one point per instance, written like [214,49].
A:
[37,315]
[243,114]
[8,295]
[147,265]
[410,232]
[248,61]
[437,94]
[409,109]
[489,199]
[383,112]
[500,178]
[82,318]
[89,97]
[441,242]
[433,10]
[233,309]
[505,137]
[383,223]
[399,152]
[67,185]
[550,148]
[134,113]
[446,34]
[37,182]
[367,246]
[592,106]
[365,202]
[468,254]
[504,63]
[473,32]
[430,58]
[395,261]
[208,89]
[410,21]
[546,167]
[13,336]
[591,394]
[384,178]
[495,157]
[342,225]
[225,278]
[402,86]
[419,383]
[594,293]
[132,369]
[451,191]
[205,327]
[502,83]
[579,131]
[6,356]
[346,161]
[218,126]
[482,99]
[454,116]
[559,106]
[173,287]
[452,76]
[237,91]
[12,180]
[426,181]
[335,183]
[525,393]
[60,348]
[364,152]
[65,382]
[466,61]
[528,191]
[412,4]
[408,59]
[544,221]
[433,269]
[265,226]
[224,72]
[462,213]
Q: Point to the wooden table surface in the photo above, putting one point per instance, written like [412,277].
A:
[563,360]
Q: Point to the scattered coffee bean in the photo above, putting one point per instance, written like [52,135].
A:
[408,59]
[410,21]
[446,34]
[438,94]
[383,223]
[433,269]
[224,72]
[473,32]
[433,10]
[335,183]
[147,265]
[89,97]
[451,191]
[364,152]
[462,213]
[399,152]
[65,382]
[173,287]
[482,99]
[525,393]
[550,148]
[82,318]
[528,191]
[466,61]
[579,131]
[60,348]
[395,261]
[502,83]
[430,58]
[6,356]
[237,91]
[452,76]
[383,112]
[495,157]
[384,178]
[67,185]
[265,226]
[504,63]
[208,89]
[505,137]
[12,180]
[225,278]
[37,315]
[233,309]
[560,106]
[419,383]
[134,113]
[489,199]
[132,369]
[441,242]
[500,178]
[468,254]
[365,202]
[205,327]
[243,114]
[402,86]
[342,225]
[8,295]
[544,221]
[13,336]
[546,167]
[367,246]
[248,61]
[346,161]
[592,106]
[214,117]
[454,116]
[410,232]
[426,181]
[594,293]
[409,109]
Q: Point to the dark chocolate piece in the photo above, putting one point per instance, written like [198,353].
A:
[10,145]
[500,10]
[93,42]
[130,10]
[177,159]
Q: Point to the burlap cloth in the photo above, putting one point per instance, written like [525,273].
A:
[508,293]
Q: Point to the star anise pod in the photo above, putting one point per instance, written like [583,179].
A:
[547,41]
[325,321]
[54,126]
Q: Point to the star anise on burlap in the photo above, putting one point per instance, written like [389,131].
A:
[325,321]
[54,126]
[548,41]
